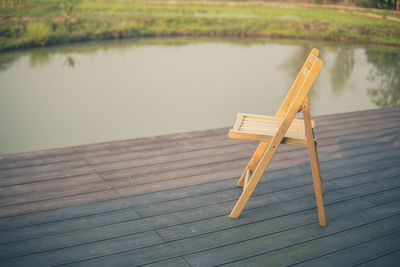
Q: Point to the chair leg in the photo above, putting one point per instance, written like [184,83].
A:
[319,169]
[244,198]
[314,164]
[253,162]
[318,188]
[254,179]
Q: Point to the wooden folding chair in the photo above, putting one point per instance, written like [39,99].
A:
[283,128]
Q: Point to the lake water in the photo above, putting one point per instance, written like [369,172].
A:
[88,93]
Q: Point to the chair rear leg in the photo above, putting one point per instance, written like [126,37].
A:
[318,188]
[314,164]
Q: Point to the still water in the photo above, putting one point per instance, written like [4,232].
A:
[81,94]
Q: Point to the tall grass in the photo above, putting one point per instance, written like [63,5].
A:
[38,32]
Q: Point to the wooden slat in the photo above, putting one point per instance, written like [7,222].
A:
[281,239]
[266,138]
[283,165]
[247,124]
[153,221]
[350,252]
[213,247]
[91,250]
[239,120]
[268,187]
[130,227]
[42,168]
[276,184]
[389,259]
[176,262]
[366,148]
[57,203]
[269,206]
[136,227]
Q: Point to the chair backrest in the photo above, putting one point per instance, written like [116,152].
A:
[313,64]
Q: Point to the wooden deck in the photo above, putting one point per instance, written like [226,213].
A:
[164,201]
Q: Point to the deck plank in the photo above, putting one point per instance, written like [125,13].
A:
[85,251]
[164,201]
[231,244]
[344,253]
[351,246]
[390,259]
[282,236]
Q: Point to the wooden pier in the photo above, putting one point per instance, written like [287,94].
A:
[165,201]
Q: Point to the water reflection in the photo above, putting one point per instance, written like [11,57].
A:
[39,58]
[86,93]
[293,64]
[6,60]
[69,61]
[385,63]
[387,71]
[342,69]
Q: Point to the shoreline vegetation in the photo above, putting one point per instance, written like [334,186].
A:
[48,22]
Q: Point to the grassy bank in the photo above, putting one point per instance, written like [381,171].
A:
[48,22]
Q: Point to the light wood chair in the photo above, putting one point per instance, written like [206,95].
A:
[283,128]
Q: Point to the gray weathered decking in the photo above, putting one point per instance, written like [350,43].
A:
[164,201]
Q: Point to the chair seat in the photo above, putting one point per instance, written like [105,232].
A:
[263,128]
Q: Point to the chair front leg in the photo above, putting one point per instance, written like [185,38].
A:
[318,165]
[255,177]
[253,162]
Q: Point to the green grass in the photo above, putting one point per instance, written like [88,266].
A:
[37,32]
[56,22]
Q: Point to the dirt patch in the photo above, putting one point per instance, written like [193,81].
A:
[371,15]
[393,18]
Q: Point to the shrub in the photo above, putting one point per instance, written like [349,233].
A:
[38,32]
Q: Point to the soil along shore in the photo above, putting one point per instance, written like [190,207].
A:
[48,22]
